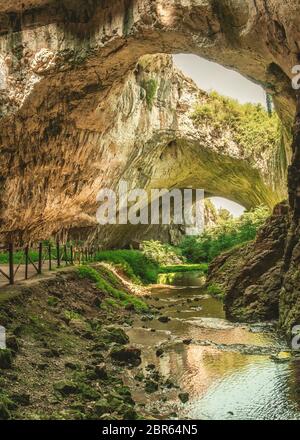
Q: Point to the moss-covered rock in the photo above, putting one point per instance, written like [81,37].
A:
[5,359]
[114,334]
[126,356]
[22,399]
[65,388]
[151,386]
[13,343]
[102,407]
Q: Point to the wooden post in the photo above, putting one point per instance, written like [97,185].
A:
[50,256]
[66,254]
[11,263]
[58,254]
[26,261]
[40,258]
[72,257]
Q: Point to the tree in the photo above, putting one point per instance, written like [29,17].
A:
[269,104]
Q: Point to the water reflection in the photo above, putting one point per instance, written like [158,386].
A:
[193,278]
[222,383]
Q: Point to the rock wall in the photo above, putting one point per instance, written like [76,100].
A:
[64,65]
[251,276]
[152,142]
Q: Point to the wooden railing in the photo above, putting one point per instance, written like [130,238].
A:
[40,258]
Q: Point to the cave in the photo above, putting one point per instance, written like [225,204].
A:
[89,96]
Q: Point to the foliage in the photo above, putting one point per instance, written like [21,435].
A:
[19,257]
[150,87]
[70,314]
[162,254]
[203,267]
[226,235]
[252,127]
[135,264]
[103,285]
[215,289]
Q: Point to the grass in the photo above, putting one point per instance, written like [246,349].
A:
[135,265]
[203,267]
[19,257]
[106,287]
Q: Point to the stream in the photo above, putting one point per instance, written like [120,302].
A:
[230,371]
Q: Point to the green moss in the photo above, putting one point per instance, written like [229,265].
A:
[70,314]
[66,387]
[4,412]
[102,407]
[114,334]
[52,301]
[109,302]
[104,286]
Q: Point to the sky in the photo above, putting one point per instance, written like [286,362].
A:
[211,76]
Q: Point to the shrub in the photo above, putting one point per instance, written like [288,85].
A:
[252,127]
[215,289]
[226,235]
[162,254]
[150,87]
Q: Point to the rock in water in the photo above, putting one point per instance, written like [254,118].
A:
[126,356]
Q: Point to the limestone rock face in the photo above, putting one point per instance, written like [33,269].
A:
[143,133]
[70,108]
[252,276]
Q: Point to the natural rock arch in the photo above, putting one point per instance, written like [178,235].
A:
[154,143]
[64,65]
[63,61]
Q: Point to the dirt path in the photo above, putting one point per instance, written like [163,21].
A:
[32,272]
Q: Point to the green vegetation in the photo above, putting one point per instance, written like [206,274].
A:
[19,257]
[135,264]
[203,267]
[105,286]
[70,314]
[150,87]
[215,289]
[161,254]
[226,235]
[253,128]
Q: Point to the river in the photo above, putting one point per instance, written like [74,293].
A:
[228,369]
